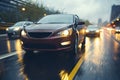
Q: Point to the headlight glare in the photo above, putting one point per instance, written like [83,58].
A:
[23,33]
[97,30]
[87,30]
[7,29]
[65,33]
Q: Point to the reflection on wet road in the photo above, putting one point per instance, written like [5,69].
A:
[102,59]
[101,62]
[47,66]
[6,46]
[117,36]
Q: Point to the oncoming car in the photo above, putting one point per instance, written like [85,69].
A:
[15,30]
[93,30]
[117,29]
[57,32]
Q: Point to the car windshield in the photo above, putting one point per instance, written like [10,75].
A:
[19,24]
[92,27]
[56,19]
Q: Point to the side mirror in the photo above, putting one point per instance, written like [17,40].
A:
[81,23]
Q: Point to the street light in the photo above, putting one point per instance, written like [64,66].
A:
[45,14]
[23,12]
[117,19]
[23,9]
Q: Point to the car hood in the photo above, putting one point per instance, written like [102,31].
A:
[93,29]
[46,27]
[15,27]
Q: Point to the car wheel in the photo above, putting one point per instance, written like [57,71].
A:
[75,47]
[83,43]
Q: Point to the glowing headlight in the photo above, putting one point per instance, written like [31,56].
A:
[7,29]
[16,29]
[65,33]
[23,33]
[87,30]
[117,30]
[97,30]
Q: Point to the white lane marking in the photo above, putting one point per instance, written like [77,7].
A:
[7,55]
[1,35]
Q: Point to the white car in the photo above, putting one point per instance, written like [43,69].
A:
[117,29]
[15,30]
[93,30]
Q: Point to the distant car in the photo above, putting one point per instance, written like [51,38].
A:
[15,30]
[117,29]
[93,30]
[57,32]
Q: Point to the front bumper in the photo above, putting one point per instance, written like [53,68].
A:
[92,33]
[13,34]
[117,31]
[47,44]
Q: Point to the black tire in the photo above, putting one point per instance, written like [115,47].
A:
[75,47]
[83,43]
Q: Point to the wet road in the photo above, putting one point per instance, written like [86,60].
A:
[101,61]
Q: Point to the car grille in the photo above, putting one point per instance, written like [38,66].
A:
[40,46]
[39,34]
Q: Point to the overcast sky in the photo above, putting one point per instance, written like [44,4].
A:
[90,10]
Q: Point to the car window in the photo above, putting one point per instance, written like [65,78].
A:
[57,19]
[19,24]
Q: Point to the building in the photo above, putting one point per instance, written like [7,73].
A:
[99,22]
[115,12]
[8,9]
[115,15]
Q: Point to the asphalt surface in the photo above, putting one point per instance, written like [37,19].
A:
[101,61]
[6,45]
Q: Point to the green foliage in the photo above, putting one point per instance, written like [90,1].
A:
[34,12]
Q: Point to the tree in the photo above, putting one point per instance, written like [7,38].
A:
[34,12]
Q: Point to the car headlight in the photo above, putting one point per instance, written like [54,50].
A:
[7,29]
[87,30]
[65,33]
[23,33]
[16,29]
[97,31]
